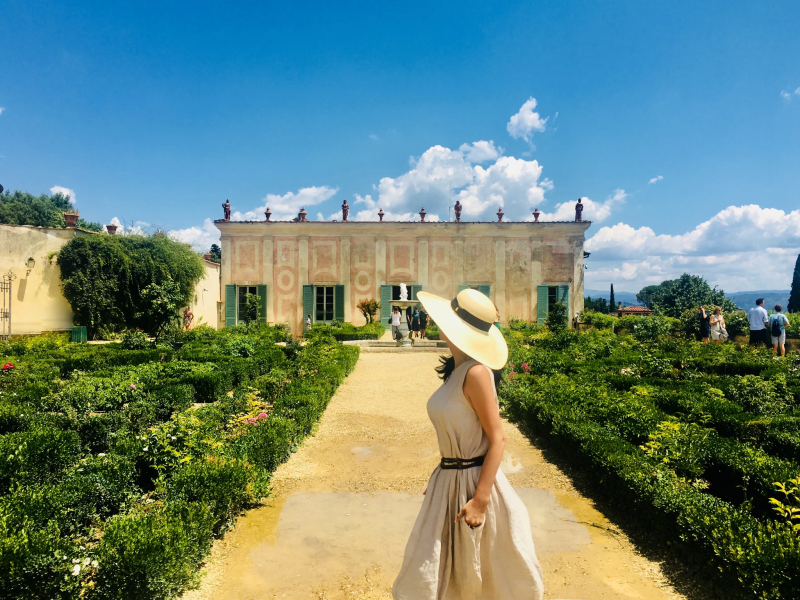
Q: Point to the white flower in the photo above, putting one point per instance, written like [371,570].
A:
[101,454]
[173,438]
[74,560]
[145,448]
[94,563]
[76,570]
[86,560]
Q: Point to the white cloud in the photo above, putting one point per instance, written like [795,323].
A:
[2,110]
[57,189]
[508,182]
[596,212]
[655,179]
[797,91]
[200,238]
[785,95]
[739,248]
[374,136]
[286,207]
[525,122]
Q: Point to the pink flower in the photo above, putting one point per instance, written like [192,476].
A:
[315,370]
[262,415]
[251,421]
[512,366]
[133,387]
[512,375]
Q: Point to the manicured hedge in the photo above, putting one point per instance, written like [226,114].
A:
[114,483]
[660,427]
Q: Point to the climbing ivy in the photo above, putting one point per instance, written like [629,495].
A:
[104,278]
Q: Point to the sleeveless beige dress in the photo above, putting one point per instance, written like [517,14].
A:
[449,561]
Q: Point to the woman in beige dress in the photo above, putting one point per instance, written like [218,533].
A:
[472,538]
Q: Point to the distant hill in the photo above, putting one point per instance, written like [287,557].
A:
[747,300]
[627,298]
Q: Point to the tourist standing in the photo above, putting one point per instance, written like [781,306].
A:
[777,325]
[308,322]
[705,325]
[472,537]
[396,316]
[423,323]
[415,322]
[717,326]
[759,319]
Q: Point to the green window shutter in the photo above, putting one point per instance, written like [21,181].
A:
[308,302]
[462,287]
[230,306]
[486,290]
[562,295]
[338,303]
[414,290]
[541,304]
[262,303]
[386,305]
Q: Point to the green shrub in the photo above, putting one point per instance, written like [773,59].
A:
[597,320]
[36,562]
[134,339]
[224,485]
[37,456]
[153,554]
[557,317]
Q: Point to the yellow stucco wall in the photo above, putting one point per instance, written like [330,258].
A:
[37,303]
[205,304]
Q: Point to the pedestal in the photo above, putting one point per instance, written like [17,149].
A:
[403,305]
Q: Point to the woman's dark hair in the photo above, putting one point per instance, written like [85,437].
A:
[447,364]
[777,308]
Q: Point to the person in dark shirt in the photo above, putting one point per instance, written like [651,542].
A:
[423,323]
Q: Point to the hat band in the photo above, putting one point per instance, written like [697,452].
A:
[468,317]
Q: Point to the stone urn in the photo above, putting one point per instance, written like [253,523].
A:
[71,219]
[111,229]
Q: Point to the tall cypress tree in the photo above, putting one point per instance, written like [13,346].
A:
[612,301]
[794,297]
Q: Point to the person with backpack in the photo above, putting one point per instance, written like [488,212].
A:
[777,325]
[759,319]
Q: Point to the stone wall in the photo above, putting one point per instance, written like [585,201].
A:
[513,258]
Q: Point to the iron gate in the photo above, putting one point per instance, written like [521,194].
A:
[5,307]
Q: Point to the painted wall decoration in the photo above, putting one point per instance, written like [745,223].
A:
[285,295]
[479,265]
[323,261]
[440,267]
[362,274]
[401,260]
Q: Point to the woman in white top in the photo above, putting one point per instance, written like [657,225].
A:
[717,326]
[396,316]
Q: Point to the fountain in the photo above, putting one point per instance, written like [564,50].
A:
[403,304]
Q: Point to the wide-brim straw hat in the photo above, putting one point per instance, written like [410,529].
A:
[468,322]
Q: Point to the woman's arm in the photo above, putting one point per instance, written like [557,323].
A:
[480,394]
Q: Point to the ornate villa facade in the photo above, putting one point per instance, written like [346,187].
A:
[324,268]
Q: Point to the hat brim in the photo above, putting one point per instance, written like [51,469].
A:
[487,347]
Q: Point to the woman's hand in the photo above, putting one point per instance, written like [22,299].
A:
[473,513]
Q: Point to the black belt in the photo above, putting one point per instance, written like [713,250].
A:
[462,463]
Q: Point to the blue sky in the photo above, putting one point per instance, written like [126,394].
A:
[679,123]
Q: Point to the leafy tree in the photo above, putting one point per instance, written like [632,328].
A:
[22,208]
[645,295]
[251,302]
[794,297]
[671,298]
[612,302]
[557,317]
[597,305]
[104,277]
[161,304]
[369,307]
[216,253]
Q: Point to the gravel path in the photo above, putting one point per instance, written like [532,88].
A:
[343,506]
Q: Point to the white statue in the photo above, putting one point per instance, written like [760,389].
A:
[403,292]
